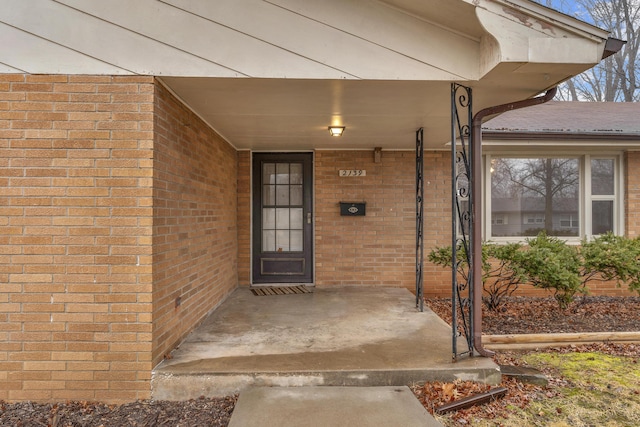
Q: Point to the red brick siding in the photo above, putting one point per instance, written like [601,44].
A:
[75,237]
[194,221]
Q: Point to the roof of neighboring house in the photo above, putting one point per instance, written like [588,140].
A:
[610,120]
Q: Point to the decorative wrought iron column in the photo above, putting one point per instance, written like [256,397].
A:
[419,218]
[461,221]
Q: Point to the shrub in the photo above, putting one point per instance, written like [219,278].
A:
[504,275]
[500,278]
[552,264]
[610,257]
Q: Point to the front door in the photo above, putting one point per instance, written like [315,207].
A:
[282,222]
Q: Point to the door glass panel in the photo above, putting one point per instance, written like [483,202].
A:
[296,173]
[269,218]
[282,170]
[296,240]
[268,240]
[282,219]
[296,219]
[282,195]
[282,187]
[269,195]
[282,240]
[296,195]
[269,173]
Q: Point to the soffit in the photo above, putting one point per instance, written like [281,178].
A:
[273,74]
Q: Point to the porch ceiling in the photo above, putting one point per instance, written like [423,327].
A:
[293,114]
[273,74]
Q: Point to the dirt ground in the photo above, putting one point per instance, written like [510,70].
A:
[519,315]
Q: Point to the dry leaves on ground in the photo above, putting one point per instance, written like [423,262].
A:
[435,394]
[196,412]
[527,315]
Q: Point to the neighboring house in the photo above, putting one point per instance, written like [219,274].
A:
[525,217]
[155,155]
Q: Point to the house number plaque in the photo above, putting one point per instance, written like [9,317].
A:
[353,172]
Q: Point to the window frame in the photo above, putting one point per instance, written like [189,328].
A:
[585,198]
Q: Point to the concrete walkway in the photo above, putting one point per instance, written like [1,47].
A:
[330,406]
[343,336]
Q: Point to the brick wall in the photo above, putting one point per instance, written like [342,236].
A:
[244,218]
[75,237]
[379,248]
[194,222]
[96,243]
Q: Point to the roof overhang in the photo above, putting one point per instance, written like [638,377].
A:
[273,74]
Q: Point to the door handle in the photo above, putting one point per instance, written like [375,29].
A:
[308,217]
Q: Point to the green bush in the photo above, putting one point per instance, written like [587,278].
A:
[500,278]
[550,263]
[611,257]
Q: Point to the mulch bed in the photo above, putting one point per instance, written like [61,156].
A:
[527,315]
[518,316]
[196,412]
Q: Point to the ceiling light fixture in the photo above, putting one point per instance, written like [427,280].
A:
[336,130]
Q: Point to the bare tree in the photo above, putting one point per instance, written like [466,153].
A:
[616,77]
[546,184]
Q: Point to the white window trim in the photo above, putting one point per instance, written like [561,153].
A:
[585,197]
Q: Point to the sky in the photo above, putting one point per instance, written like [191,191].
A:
[570,7]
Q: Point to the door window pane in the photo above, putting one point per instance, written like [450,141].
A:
[282,219]
[296,219]
[269,173]
[268,240]
[602,216]
[282,195]
[296,240]
[268,218]
[282,171]
[296,173]
[269,195]
[296,195]
[282,240]
[602,177]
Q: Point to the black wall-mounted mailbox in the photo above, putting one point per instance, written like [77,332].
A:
[352,209]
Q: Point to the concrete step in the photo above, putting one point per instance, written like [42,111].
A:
[330,406]
[179,384]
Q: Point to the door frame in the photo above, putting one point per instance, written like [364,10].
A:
[253,218]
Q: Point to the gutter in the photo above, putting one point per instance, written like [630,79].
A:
[543,135]
[476,215]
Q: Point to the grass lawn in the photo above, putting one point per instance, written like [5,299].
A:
[586,388]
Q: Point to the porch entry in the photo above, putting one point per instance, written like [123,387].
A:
[282,218]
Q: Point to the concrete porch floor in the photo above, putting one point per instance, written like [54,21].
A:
[345,336]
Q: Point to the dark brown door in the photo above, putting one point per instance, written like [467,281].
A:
[282,218]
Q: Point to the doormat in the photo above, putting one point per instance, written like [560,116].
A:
[281,290]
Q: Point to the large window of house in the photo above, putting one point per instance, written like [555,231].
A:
[566,196]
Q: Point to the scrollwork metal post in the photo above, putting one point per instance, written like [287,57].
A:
[419,218]
[461,229]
